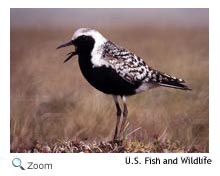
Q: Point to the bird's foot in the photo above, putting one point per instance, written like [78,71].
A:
[116,142]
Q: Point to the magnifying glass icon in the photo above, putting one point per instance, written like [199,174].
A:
[16,162]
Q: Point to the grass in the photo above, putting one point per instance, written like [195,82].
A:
[157,145]
[51,101]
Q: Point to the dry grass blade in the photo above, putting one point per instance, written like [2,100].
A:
[133,131]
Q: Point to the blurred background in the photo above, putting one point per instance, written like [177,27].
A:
[52,101]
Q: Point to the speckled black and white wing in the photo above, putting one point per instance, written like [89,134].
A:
[129,66]
[134,70]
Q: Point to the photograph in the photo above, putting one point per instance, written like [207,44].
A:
[109,80]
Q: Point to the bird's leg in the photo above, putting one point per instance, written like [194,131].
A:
[125,115]
[118,116]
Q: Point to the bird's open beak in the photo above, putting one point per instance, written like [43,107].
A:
[71,54]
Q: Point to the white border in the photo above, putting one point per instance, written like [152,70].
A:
[107,164]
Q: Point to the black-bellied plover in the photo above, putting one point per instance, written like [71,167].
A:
[115,70]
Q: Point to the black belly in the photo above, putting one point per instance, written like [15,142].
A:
[106,79]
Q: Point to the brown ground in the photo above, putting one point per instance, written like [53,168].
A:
[51,101]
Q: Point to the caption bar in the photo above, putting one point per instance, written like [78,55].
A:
[204,160]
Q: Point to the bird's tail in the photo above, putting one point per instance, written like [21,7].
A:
[163,79]
[175,85]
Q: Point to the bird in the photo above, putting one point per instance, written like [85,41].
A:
[115,70]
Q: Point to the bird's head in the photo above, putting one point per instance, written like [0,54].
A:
[84,40]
